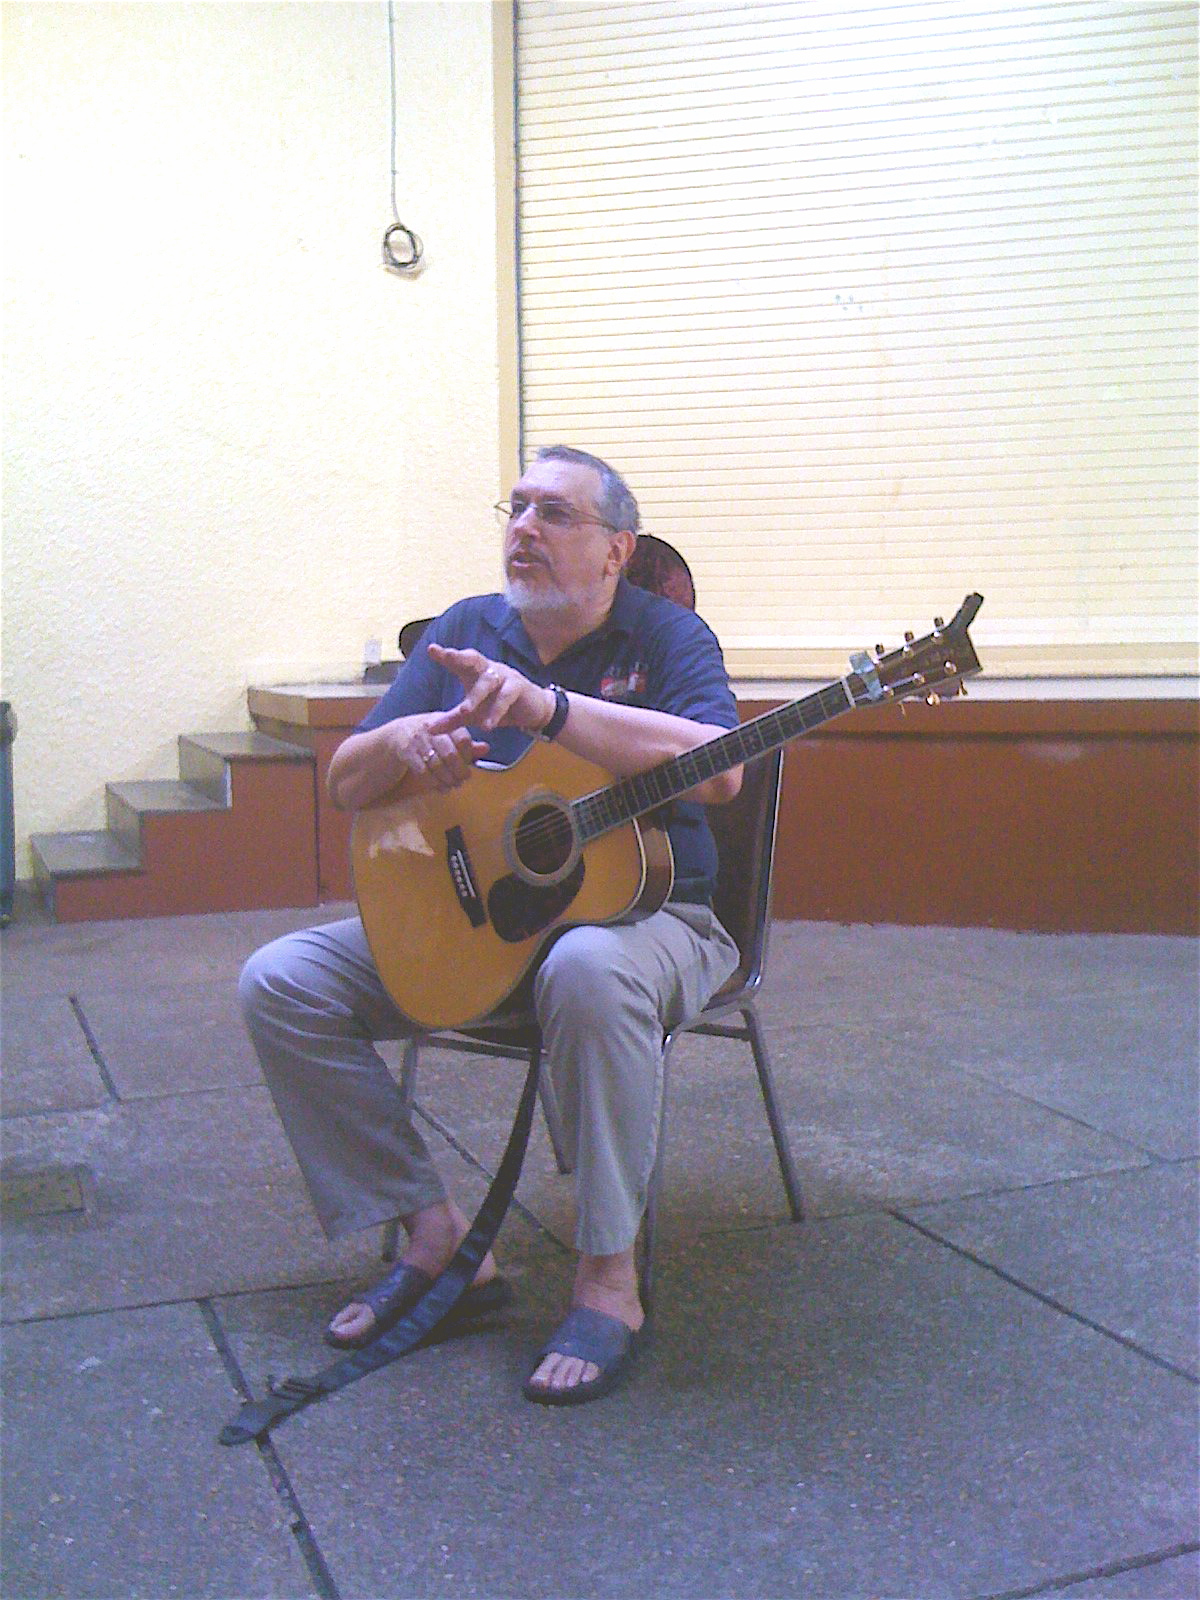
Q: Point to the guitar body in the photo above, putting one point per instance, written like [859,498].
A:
[460,890]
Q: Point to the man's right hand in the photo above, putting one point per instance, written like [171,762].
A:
[367,765]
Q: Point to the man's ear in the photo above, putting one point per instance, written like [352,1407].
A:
[621,549]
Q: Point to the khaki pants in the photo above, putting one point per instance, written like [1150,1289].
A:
[604,996]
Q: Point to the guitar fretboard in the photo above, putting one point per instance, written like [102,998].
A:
[605,809]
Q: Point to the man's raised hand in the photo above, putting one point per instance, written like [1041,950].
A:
[496,696]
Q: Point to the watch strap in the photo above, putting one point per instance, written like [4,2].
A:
[562,707]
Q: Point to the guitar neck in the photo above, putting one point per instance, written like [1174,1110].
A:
[604,809]
[922,666]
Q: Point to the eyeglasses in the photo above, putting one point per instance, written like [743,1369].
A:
[552,513]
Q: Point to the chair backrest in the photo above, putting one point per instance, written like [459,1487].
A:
[745,834]
[658,566]
[410,635]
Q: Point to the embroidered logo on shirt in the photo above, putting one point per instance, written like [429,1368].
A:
[629,686]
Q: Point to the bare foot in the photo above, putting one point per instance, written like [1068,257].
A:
[433,1237]
[602,1283]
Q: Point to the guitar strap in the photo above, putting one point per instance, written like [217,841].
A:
[256,1418]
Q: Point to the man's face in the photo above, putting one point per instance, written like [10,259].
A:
[558,555]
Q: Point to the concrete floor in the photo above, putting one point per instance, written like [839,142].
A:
[972,1372]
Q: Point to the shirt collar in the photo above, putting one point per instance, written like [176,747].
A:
[508,625]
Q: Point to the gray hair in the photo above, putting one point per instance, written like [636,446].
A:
[616,503]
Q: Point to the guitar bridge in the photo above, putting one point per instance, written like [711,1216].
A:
[458,862]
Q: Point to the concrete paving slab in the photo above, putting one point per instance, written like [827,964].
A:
[1132,1072]
[874,1120]
[1119,1249]
[843,1410]
[247,931]
[843,971]
[111,1485]
[851,975]
[938,1431]
[193,1195]
[172,1038]
[79,958]
[47,1063]
[1053,965]
[1175,1579]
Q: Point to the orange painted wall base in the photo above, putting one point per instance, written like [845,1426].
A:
[1047,815]
[1050,816]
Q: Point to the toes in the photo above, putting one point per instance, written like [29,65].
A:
[564,1372]
[352,1321]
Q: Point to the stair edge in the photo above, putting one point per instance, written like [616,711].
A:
[114,856]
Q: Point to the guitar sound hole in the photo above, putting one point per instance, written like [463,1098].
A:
[543,840]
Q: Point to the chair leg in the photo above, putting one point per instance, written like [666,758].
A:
[766,1082]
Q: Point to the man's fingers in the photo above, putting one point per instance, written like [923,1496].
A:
[493,691]
[502,699]
[453,721]
[466,665]
[472,749]
[454,756]
[445,759]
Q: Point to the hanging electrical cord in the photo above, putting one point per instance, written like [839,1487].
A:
[402,249]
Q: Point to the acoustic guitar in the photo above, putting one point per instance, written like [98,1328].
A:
[461,890]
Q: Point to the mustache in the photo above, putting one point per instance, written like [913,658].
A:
[525,554]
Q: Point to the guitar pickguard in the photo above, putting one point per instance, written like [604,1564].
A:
[519,911]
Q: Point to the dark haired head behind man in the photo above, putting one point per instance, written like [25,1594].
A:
[639,680]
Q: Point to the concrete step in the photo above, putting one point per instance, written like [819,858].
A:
[128,804]
[235,832]
[84,853]
[206,759]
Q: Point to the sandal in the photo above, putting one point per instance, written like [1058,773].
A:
[607,1342]
[397,1293]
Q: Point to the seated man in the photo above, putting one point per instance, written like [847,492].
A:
[573,652]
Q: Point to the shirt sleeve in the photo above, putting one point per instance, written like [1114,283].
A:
[687,673]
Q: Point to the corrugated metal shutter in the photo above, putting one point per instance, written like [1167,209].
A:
[874,305]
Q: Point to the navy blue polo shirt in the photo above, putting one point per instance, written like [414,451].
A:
[648,652]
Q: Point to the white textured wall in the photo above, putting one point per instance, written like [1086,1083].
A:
[235,446]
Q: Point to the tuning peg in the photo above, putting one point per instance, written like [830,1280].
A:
[918,677]
[949,668]
[880,651]
[909,636]
[933,699]
[938,624]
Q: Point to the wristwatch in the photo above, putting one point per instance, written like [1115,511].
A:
[558,716]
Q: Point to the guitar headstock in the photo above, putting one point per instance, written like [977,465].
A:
[933,667]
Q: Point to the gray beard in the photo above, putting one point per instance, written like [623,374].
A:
[528,599]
